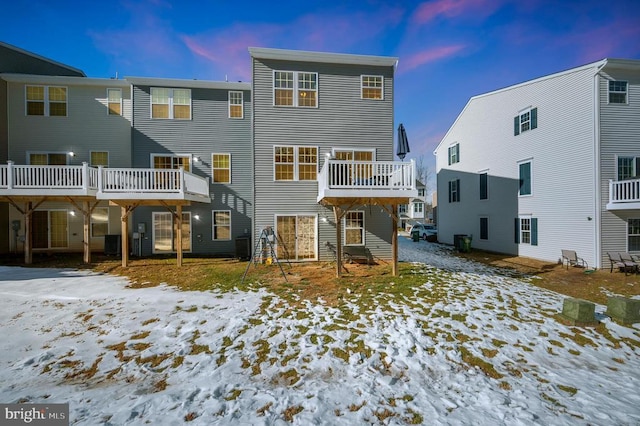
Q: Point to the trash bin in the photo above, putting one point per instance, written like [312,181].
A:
[415,235]
[458,241]
[466,244]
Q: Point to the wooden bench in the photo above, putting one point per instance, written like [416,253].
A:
[357,253]
[351,253]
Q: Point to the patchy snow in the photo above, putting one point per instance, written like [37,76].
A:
[123,356]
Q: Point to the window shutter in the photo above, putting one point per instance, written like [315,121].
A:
[517,231]
[458,187]
[534,231]
[450,190]
[534,118]
[516,125]
[457,152]
[449,160]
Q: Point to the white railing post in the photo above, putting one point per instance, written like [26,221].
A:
[85,176]
[10,174]
[181,180]
[100,181]
[611,198]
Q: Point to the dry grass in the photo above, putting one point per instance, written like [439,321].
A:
[318,279]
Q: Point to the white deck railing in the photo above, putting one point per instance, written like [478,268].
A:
[338,177]
[106,182]
[624,191]
[14,176]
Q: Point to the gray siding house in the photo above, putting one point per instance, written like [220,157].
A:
[16,60]
[205,128]
[63,122]
[323,129]
[548,164]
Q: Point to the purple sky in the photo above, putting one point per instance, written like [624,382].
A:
[449,50]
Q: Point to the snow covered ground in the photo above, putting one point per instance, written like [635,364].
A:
[470,346]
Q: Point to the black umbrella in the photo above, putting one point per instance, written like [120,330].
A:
[403,142]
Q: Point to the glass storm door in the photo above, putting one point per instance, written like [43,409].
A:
[297,237]
[164,232]
[50,229]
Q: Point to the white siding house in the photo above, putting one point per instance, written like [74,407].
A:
[526,170]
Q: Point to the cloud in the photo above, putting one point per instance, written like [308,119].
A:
[430,10]
[418,59]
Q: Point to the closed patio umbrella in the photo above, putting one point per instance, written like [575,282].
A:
[403,142]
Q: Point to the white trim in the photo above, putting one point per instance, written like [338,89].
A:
[170,104]
[154,214]
[362,86]
[171,155]
[213,225]
[296,163]
[28,153]
[294,251]
[212,169]
[108,102]
[295,89]
[344,228]
[46,101]
[609,92]
[241,104]
[94,165]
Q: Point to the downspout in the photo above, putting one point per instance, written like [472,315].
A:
[596,169]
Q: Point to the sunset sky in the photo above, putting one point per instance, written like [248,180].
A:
[448,50]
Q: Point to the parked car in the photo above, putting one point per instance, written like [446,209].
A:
[427,231]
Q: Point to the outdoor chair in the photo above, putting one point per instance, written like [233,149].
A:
[570,257]
[616,262]
[629,261]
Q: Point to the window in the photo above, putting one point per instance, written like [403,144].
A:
[171,103]
[525,178]
[46,100]
[294,88]
[484,188]
[617,92]
[526,120]
[221,168]
[48,159]
[236,109]
[354,228]
[526,230]
[295,162]
[171,162]
[454,154]
[221,225]
[633,235]
[484,228]
[454,191]
[402,208]
[99,158]
[421,192]
[114,101]
[628,167]
[418,208]
[100,222]
[371,86]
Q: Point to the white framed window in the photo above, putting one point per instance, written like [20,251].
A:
[221,228]
[633,235]
[617,92]
[421,192]
[454,154]
[49,101]
[371,87]
[47,158]
[353,225]
[99,158]
[484,185]
[163,161]
[114,101]
[295,163]
[100,222]
[418,208]
[628,167]
[295,88]
[525,230]
[169,103]
[164,233]
[525,178]
[525,120]
[236,104]
[221,168]
[454,191]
